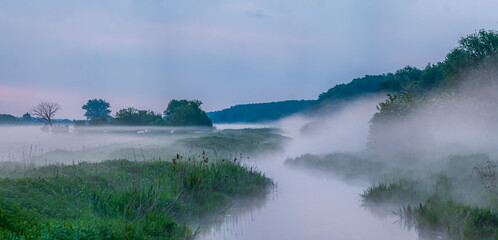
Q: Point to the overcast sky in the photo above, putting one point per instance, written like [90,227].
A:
[143,53]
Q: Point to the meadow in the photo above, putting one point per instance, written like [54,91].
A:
[165,181]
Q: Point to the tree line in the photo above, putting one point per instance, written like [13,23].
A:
[97,111]
[178,113]
[468,77]
[474,58]
[260,112]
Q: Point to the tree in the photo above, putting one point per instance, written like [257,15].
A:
[431,77]
[46,111]
[404,80]
[186,113]
[26,117]
[133,116]
[390,125]
[476,52]
[96,108]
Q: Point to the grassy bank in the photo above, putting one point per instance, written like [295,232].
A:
[342,164]
[454,197]
[437,213]
[135,143]
[458,202]
[234,142]
[121,199]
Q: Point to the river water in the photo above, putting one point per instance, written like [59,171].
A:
[305,205]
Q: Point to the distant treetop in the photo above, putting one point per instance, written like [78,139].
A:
[96,108]
[186,113]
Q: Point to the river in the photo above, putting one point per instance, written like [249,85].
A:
[305,205]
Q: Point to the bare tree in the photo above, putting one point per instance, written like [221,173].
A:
[46,111]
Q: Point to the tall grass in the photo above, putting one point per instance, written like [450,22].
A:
[120,199]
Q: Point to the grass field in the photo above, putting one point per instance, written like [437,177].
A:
[138,198]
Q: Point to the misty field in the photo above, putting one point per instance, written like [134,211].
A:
[455,197]
[211,121]
[125,183]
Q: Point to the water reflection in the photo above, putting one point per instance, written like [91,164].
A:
[306,207]
[230,223]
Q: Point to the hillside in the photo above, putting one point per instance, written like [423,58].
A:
[260,112]
[474,57]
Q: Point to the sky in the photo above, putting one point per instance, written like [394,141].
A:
[143,53]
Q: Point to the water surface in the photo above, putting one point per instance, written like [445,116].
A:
[307,206]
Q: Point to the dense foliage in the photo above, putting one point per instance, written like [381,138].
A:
[335,97]
[133,116]
[186,113]
[121,199]
[178,113]
[470,72]
[96,108]
[260,112]
[475,57]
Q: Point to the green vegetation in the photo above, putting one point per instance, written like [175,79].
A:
[186,113]
[97,108]
[454,197]
[346,165]
[437,210]
[335,97]
[457,197]
[475,57]
[404,191]
[133,117]
[459,200]
[260,112]
[469,72]
[235,142]
[179,113]
[121,199]
[147,198]
[454,219]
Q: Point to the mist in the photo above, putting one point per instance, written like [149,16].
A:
[344,130]
[310,200]
[360,119]
[32,145]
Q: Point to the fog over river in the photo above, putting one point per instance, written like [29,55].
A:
[307,204]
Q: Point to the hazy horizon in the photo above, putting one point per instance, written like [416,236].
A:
[145,53]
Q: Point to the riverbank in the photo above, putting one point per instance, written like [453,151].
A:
[122,199]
